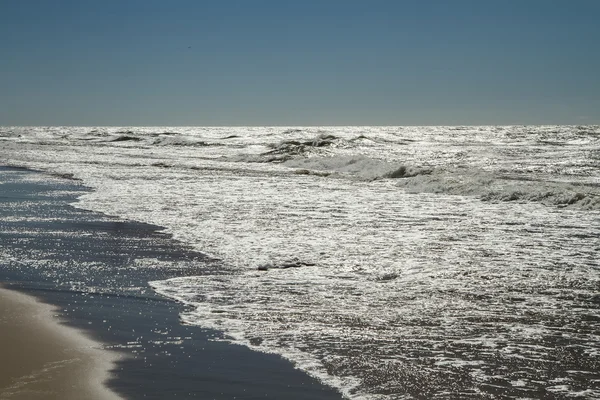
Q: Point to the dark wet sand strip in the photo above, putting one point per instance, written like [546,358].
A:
[40,358]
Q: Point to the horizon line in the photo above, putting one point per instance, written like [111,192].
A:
[289,126]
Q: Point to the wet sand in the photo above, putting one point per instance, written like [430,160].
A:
[40,358]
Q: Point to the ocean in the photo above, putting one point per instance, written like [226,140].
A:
[388,262]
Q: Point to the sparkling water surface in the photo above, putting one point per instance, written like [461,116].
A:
[390,262]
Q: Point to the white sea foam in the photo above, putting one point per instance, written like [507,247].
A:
[389,262]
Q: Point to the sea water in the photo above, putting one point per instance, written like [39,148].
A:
[389,262]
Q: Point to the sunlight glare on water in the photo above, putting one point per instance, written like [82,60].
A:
[390,262]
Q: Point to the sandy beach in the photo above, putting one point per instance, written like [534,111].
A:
[44,359]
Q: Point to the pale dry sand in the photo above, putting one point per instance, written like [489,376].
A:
[40,358]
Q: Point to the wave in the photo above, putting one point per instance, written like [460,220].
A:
[126,138]
[150,138]
[361,167]
[487,186]
[497,188]
[293,147]
[179,141]
[9,133]
[291,130]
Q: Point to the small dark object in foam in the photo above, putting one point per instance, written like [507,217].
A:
[256,341]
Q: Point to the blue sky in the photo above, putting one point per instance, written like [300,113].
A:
[309,62]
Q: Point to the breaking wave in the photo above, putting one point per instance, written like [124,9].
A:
[288,149]
[492,187]
[356,166]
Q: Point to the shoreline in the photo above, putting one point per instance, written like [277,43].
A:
[42,358]
[105,294]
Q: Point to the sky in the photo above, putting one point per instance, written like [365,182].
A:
[301,62]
